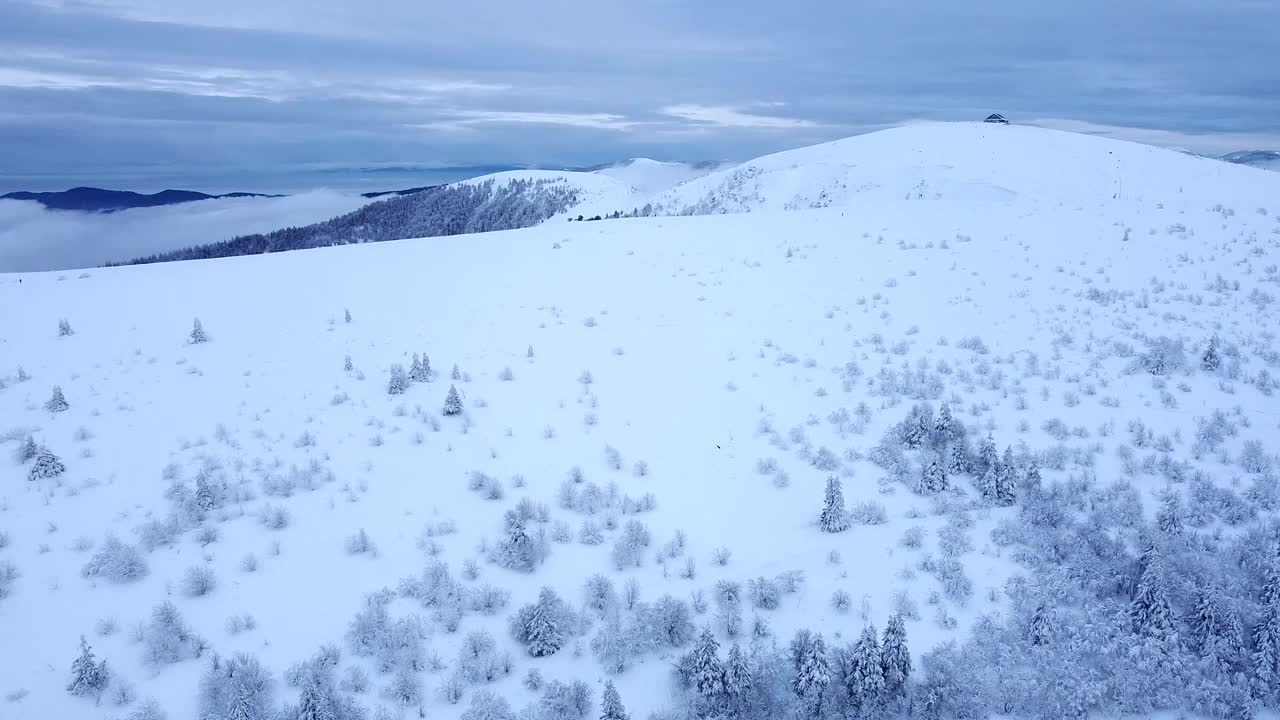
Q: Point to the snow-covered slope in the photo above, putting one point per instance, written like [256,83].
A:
[695,380]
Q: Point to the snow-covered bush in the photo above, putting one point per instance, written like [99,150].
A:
[239,688]
[46,465]
[115,562]
[167,639]
[545,626]
[198,581]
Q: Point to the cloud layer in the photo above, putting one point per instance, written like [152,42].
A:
[239,86]
[33,238]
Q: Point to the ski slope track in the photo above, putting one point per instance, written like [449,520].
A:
[702,376]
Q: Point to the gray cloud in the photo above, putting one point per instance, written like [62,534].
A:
[244,85]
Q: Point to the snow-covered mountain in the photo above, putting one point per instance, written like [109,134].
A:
[1263,159]
[652,176]
[1002,386]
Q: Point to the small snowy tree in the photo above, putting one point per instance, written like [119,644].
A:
[935,478]
[1006,480]
[455,374]
[346,315]
[895,658]
[944,427]
[64,328]
[29,450]
[706,672]
[57,403]
[987,456]
[197,333]
[415,369]
[833,518]
[46,465]
[958,459]
[399,382]
[88,677]
[1041,628]
[1170,516]
[1210,361]
[452,403]
[611,702]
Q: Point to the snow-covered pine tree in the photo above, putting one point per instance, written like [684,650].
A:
[810,672]
[29,449]
[1210,361]
[737,674]
[415,369]
[611,704]
[88,677]
[206,500]
[529,353]
[833,518]
[1150,609]
[64,328]
[346,364]
[543,629]
[313,704]
[346,315]
[426,368]
[866,672]
[988,459]
[987,484]
[1265,660]
[399,382]
[895,658]
[1031,475]
[1006,479]
[455,374]
[706,673]
[958,458]
[943,427]
[198,334]
[1170,516]
[57,403]
[46,465]
[1040,630]
[935,478]
[452,403]
[1216,631]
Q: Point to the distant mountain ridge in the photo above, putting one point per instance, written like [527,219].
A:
[93,199]
[1265,159]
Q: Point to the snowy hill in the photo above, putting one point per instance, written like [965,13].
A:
[1093,524]
[978,161]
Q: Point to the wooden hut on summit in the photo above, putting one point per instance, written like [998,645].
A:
[996,118]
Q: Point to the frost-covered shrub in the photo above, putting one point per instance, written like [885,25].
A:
[565,701]
[8,575]
[869,513]
[360,544]
[1163,356]
[275,517]
[115,562]
[488,705]
[488,599]
[167,639]
[764,593]
[629,549]
[1253,458]
[198,581]
[953,541]
[913,538]
[478,660]
[236,688]
[670,622]
[600,594]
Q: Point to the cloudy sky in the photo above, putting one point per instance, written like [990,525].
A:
[176,92]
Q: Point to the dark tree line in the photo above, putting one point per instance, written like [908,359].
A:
[434,212]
